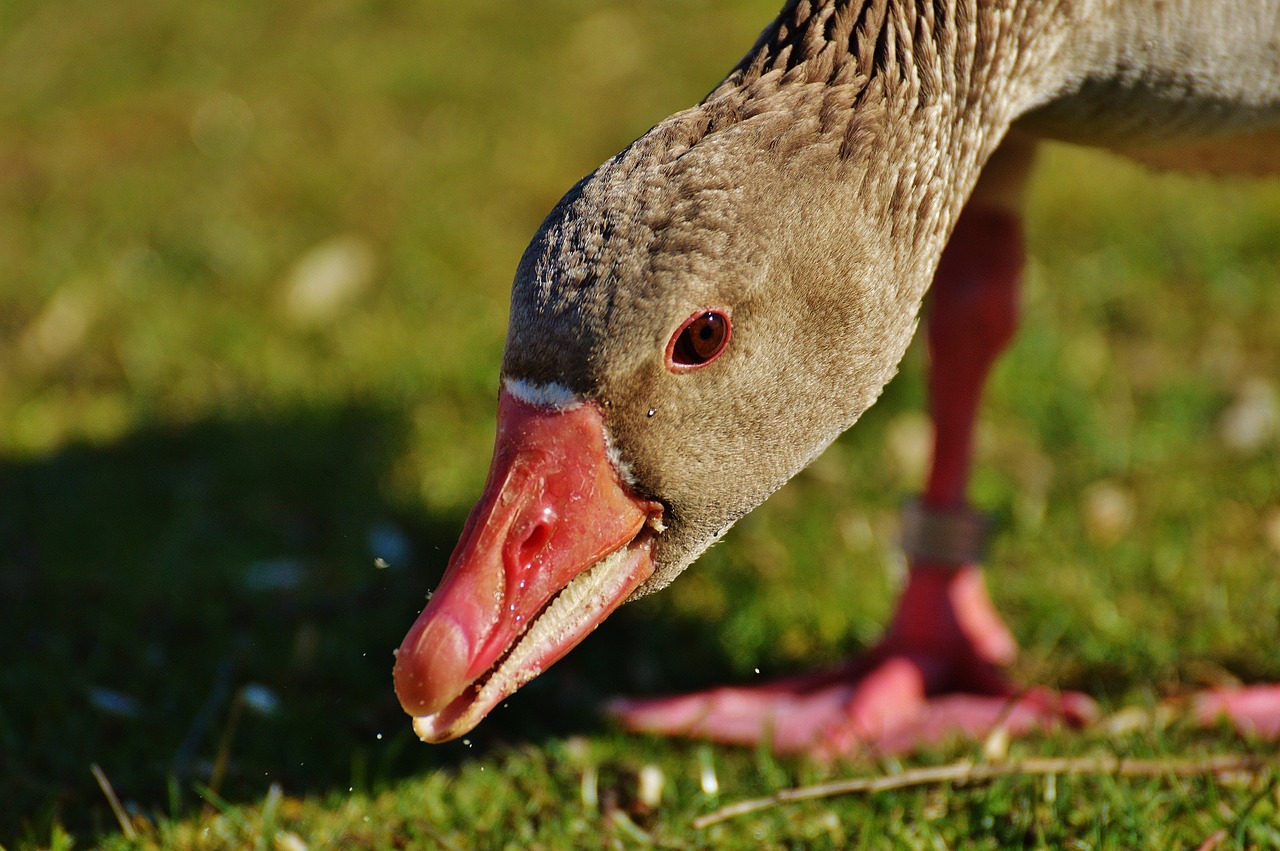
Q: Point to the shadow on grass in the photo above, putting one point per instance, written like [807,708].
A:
[200,607]
[147,583]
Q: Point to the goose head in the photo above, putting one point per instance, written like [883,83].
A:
[692,324]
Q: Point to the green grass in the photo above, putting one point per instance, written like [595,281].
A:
[196,473]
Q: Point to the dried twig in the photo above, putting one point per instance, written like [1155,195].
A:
[126,824]
[966,771]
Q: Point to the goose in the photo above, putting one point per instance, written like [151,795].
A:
[696,320]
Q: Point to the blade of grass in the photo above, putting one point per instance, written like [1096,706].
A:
[1241,822]
[126,824]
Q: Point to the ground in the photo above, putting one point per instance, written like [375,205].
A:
[256,260]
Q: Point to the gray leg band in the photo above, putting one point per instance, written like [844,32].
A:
[950,536]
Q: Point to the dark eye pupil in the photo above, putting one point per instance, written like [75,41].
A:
[701,340]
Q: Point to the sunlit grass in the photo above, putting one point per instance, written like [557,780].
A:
[254,297]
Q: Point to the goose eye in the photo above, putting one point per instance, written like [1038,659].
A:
[699,341]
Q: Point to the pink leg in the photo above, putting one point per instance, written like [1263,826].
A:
[938,670]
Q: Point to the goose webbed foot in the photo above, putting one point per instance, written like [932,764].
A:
[1251,710]
[936,674]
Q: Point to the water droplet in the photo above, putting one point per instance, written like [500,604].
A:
[652,411]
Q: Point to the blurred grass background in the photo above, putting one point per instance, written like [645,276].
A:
[253,272]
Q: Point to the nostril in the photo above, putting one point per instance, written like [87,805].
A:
[535,538]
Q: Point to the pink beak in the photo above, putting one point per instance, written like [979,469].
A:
[553,546]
